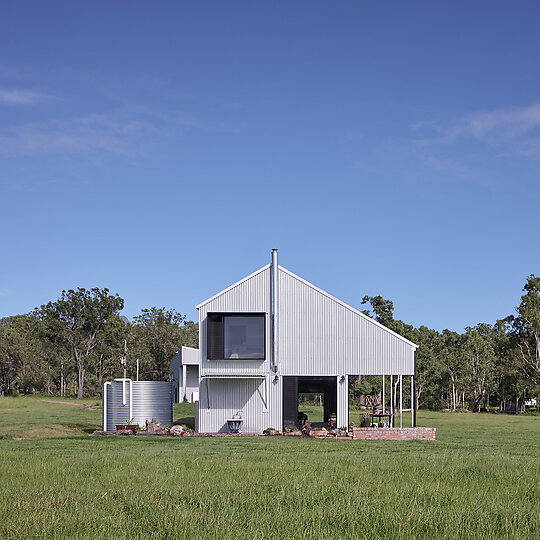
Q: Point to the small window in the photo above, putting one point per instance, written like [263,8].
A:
[236,336]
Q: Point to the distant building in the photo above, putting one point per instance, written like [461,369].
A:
[185,375]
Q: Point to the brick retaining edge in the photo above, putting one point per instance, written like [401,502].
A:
[394,434]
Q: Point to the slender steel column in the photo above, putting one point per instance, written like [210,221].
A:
[383,397]
[412,400]
[401,401]
[392,400]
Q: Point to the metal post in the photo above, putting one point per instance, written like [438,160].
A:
[184,377]
[123,360]
[412,401]
[391,401]
[401,401]
[383,397]
[137,369]
[415,403]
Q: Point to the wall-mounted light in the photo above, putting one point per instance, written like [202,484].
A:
[342,379]
[276,379]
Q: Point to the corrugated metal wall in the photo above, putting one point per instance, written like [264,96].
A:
[342,417]
[220,399]
[251,295]
[192,382]
[320,336]
[151,400]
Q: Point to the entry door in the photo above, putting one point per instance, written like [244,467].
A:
[290,401]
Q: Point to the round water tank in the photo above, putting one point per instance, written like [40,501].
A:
[136,402]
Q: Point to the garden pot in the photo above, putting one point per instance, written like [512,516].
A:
[131,427]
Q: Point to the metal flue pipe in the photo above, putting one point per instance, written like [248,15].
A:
[274,285]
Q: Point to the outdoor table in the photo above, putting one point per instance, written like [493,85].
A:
[381,416]
[234,425]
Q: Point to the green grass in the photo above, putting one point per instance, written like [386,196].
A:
[315,413]
[480,479]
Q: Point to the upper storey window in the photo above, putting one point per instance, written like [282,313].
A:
[233,336]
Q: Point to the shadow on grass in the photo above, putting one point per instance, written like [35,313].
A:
[188,421]
[84,428]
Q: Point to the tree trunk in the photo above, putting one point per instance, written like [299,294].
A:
[477,402]
[80,382]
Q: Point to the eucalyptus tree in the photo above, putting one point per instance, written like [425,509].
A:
[526,329]
[78,320]
[156,336]
[479,357]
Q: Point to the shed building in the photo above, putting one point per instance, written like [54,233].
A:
[273,335]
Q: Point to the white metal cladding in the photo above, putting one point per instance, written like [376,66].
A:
[192,377]
[192,382]
[186,358]
[220,399]
[190,356]
[320,335]
[342,416]
[151,400]
[252,294]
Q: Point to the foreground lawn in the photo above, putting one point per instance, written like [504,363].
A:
[479,480]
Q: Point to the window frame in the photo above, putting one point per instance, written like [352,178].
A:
[222,315]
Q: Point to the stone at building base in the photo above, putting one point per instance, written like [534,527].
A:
[394,434]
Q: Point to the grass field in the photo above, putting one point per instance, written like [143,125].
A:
[480,479]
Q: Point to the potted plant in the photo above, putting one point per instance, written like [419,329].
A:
[130,426]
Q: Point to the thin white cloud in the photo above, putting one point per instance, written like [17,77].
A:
[20,97]
[503,123]
[4,292]
[115,133]
[514,129]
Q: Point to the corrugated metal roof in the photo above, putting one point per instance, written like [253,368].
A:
[233,286]
[343,304]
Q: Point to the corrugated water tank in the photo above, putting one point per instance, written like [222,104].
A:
[136,402]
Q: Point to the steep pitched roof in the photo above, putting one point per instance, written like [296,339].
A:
[233,286]
[346,306]
[307,283]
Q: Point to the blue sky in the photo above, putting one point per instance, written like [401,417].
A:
[162,149]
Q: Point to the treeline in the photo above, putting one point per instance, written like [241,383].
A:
[486,366]
[69,347]
[74,344]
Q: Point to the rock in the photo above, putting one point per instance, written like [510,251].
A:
[152,427]
[177,431]
[341,432]
[320,433]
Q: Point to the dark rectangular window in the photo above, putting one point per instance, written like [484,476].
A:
[233,336]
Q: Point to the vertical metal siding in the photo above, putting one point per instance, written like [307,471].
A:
[319,336]
[251,295]
[342,417]
[225,398]
[151,399]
